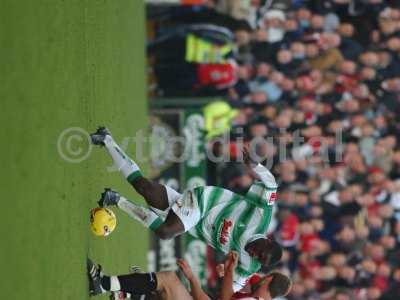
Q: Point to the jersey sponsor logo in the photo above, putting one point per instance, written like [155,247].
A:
[272,198]
[223,239]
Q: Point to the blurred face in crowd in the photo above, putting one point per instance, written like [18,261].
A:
[261,35]
[368,265]
[396,157]
[312,50]
[348,67]
[396,274]
[385,211]
[276,77]
[302,199]
[346,195]
[291,25]
[307,105]
[373,293]
[316,76]
[346,30]
[388,26]
[384,270]
[274,22]
[255,3]
[240,119]
[315,211]
[380,121]
[317,224]
[368,73]
[337,260]
[358,120]
[242,37]
[346,235]
[395,14]
[259,97]
[376,177]
[352,148]
[325,273]
[317,22]
[347,273]
[367,130]
[270,112]
[287,85]
[370,59]
[298,50]
[298,117]
[350,106]
[312,131]
[243,72]
[305,83]
[284,56]
[384,58]
[298,289]
[287,171]
[282,121]
[263,70]
[394,44]
[331,40]
[303,14]
[342,296]
[388,242]
[258,130]
[392,85]
[356,164]
[377,252]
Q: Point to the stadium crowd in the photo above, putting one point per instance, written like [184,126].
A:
[327,71]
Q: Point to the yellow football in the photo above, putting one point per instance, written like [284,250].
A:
[102,221]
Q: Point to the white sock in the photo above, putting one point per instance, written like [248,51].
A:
[142,214]
[162,214]
[129,169]
[114,284]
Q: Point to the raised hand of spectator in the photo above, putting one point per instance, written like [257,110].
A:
[185,268]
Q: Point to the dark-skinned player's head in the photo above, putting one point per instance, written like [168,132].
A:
[267,251]
[280,284]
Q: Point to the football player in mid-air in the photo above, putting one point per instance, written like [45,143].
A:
[168,286]
[223,219]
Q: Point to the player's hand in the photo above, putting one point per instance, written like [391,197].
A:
[247,155]
[185,268]
[231,261]
[220,269]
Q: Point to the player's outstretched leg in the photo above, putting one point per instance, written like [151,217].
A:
[136,283]
[123,295]
[171,227]
[154,193]
[142,214]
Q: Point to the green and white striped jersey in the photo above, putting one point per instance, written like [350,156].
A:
[228,220]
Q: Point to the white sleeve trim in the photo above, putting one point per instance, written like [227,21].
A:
[266,176]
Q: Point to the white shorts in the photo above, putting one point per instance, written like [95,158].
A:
[185,206]
[187,209]
[173,196]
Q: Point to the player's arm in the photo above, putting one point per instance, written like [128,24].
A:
[262,172]
[265,176]
[195,286]
[230,264]
[238,281]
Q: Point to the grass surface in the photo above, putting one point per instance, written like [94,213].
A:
[65,64]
